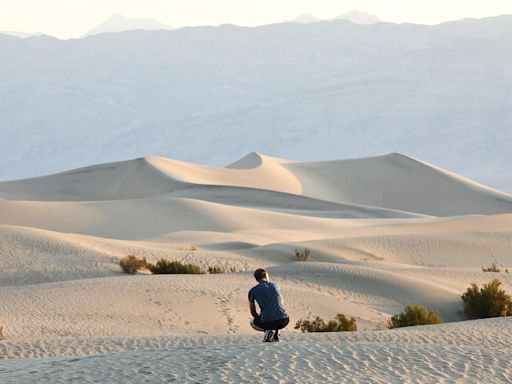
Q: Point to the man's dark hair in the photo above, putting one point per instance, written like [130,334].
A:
[259,274]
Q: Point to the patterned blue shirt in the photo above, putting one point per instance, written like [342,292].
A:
[269,299]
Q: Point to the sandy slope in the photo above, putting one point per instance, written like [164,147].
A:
[383,232]
[398,182]
[469,352]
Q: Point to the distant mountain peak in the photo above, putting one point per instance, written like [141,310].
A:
[358,17]
[354,16]
[305,18]
[119,23]
[21,35]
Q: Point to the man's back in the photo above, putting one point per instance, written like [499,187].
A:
[270,301]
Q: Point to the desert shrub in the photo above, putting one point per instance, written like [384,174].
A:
[414,315]
[302,256]
[1,333]
[488,301]
[215,269]
[339,324]
[492,268]
[164,266]
[131,264]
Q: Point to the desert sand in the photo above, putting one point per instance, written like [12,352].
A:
[383,232]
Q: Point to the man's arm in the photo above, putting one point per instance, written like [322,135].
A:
[252,306]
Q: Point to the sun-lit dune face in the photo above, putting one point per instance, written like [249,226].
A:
[253,171]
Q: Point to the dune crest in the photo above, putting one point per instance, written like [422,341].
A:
[252,171]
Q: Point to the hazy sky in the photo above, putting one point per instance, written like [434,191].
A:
[72,18]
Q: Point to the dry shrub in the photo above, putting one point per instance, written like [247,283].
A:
[339,324]
[215,269]
[492,268]
[414,315]
[488,301]
[1,333]
[164,266]
[302,256]
[131,264]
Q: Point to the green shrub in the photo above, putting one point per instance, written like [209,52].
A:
[302,256]
[492,268]
[131,264]
[339,324]
[164,266]
[414,315]
[488,301]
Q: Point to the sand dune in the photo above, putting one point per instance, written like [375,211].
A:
[398,182]
[112,181]
[393,181]
[112,305]
[383,232]
[476,351]
[143,218]
[33,255]
[150,176]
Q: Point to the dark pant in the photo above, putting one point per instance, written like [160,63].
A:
[273,325]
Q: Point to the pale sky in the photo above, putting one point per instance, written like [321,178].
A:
[73,18]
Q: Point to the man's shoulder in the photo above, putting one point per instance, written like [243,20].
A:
[253,290]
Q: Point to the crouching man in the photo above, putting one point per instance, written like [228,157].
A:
[272,316]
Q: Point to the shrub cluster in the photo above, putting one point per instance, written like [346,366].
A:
[302,256]
[339,324]
[131,264]
[164,266]
[492,268]
[217,269]
[488,301]
[414,315]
